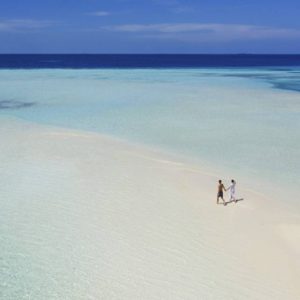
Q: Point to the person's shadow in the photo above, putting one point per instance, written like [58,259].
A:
[237,200]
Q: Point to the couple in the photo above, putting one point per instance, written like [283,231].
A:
[221,188]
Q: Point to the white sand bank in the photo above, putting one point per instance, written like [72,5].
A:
[87,217]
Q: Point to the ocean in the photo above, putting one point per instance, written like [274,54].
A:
[95,61]
[235,113]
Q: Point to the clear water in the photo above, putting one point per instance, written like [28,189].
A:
[245,121]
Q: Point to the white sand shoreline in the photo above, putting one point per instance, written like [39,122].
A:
[118,221]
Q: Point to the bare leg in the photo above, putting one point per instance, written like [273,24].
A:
[224,202]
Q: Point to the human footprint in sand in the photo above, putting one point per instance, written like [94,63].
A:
[221,188]
[231,189]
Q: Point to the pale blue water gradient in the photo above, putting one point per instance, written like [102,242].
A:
[245,121]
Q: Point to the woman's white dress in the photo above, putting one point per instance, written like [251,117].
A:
[232,191]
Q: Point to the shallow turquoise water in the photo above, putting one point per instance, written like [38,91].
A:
[245,121]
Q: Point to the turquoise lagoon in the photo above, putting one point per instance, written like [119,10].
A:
[243,123]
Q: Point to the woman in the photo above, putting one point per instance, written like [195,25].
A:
[231,188]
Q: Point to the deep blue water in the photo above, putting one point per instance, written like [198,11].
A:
[30,61]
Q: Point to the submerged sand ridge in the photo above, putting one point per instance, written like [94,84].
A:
[84,216]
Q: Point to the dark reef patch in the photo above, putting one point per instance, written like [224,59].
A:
[283,82]
[14,104]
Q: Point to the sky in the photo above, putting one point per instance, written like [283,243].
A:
[152,26]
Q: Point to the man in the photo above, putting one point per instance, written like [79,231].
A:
[221,188]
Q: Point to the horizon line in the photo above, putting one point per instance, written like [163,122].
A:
[89,53]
